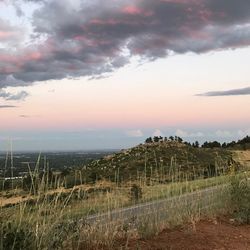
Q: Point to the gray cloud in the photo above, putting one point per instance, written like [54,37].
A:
[7,106]
[91,38]
[232,92]
[20,96]
[10,34]
[24,116]
[28,116]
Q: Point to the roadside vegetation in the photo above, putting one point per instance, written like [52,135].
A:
[240,197]
[47,211]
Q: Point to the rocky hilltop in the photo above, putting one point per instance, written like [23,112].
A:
[162,161]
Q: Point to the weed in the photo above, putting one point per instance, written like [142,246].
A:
[135,193]
[16,237]
[240,198]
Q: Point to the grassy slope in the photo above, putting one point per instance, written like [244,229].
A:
[163,158]
[53,217]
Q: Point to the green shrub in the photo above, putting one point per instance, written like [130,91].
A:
[240,197]
[16,237]
[135,193]
[64,231]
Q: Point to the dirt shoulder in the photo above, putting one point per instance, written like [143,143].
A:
[209,235]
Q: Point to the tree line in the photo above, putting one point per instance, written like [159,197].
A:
[242,143]
[169,139]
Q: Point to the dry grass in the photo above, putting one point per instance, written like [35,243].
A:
[55,219]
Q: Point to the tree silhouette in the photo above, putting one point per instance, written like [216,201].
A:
[149,140]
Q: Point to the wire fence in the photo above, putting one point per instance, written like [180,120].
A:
[198,202]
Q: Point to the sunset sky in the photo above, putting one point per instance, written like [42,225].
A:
[106,74]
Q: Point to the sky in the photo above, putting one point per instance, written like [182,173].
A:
[106,74]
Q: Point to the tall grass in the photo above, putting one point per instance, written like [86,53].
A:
[240,198]
[53,217]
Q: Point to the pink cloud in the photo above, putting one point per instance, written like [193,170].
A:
[132,10]
[5,34]
[180,1]
[14,63]
[91,41]
[205,15]
[104,22]
[195,34]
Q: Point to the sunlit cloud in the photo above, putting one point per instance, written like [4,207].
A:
[157,132]
[244,132]
[134,133]
[223,134]
[184,134]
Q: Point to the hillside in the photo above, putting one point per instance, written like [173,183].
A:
[161,160]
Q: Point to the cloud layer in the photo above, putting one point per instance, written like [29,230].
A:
[134,133]
[7,106]
[9,33]
[232,92]
[19,96]
[90,38]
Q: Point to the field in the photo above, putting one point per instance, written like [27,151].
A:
[50,215]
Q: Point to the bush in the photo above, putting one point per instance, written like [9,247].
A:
[240,197]
[65,231]
[135,193]
[16,237]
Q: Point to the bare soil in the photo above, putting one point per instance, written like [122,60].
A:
[207,235]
